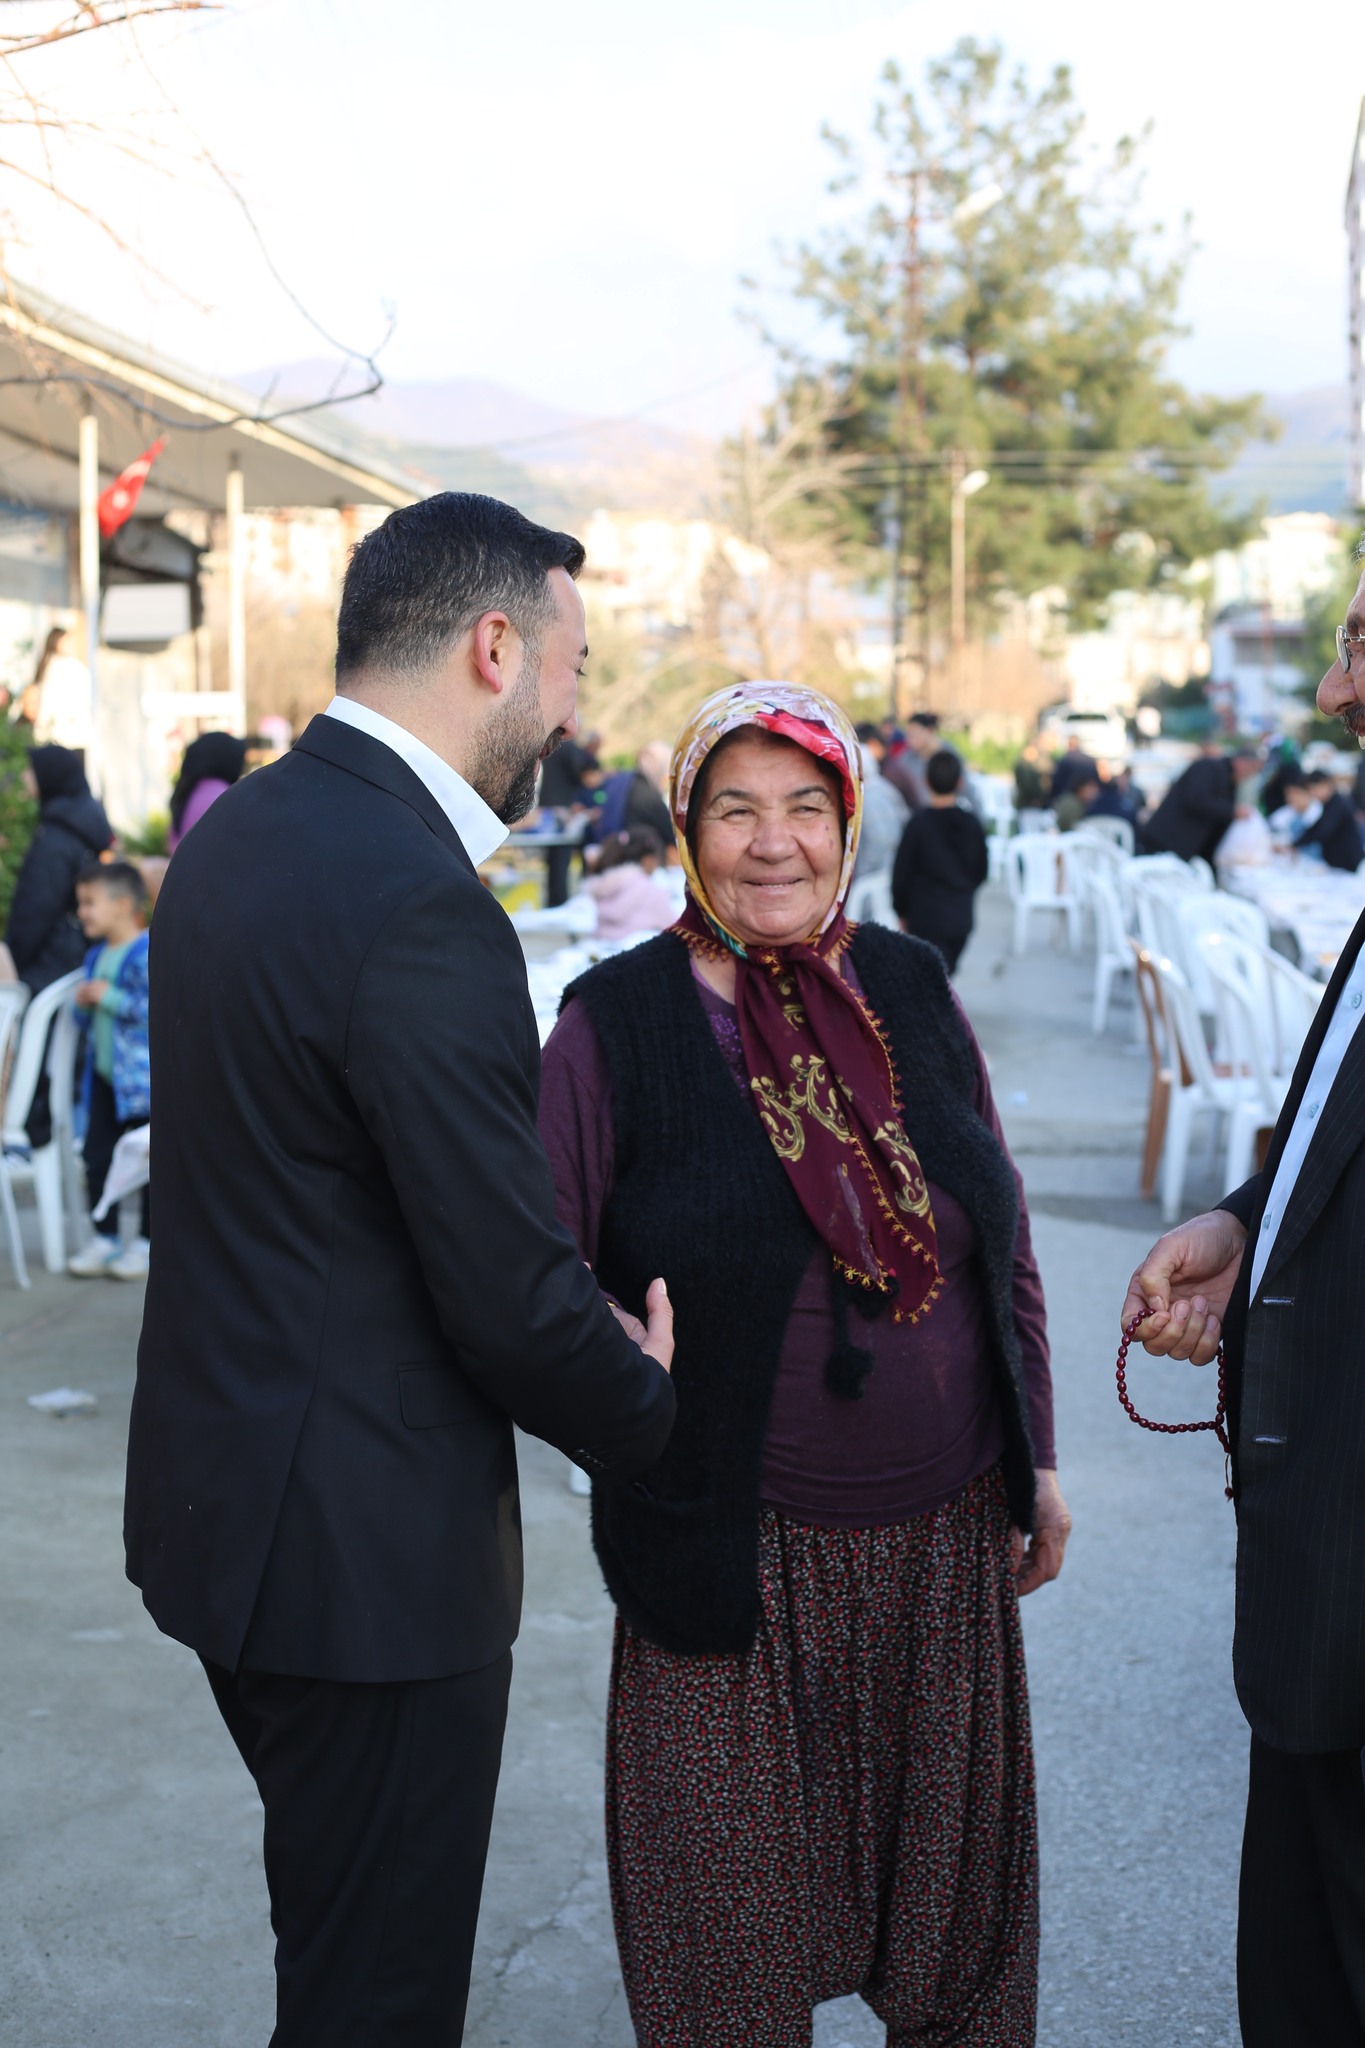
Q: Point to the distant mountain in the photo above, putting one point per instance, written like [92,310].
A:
[1305,469]
[475,415]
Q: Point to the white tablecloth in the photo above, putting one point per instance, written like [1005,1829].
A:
[1317,905]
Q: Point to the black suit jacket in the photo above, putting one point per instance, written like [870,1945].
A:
[1296,1382]
[1195,811]
[1337,833]
[358,1282]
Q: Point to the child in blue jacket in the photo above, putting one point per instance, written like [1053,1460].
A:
[111,904]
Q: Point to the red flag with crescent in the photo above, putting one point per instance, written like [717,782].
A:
[119,502]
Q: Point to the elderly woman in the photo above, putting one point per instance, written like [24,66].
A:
[820,1777]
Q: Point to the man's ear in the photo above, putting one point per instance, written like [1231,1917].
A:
[494,640]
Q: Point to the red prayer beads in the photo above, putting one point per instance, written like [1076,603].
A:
[1219,1422]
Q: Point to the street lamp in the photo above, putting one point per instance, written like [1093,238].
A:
[964,487]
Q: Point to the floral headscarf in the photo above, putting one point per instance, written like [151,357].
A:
[813,722]
[821,1073]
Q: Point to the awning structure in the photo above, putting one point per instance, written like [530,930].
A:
[79,403]
[56,367]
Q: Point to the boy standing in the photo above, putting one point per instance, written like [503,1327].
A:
[111,904]
[941,863]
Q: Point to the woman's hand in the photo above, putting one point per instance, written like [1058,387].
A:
[1183,1286]
[1040,1558]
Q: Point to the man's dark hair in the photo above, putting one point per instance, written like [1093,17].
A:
[868,733]
[119,877]
[943,772]
[424,577]
[929,718]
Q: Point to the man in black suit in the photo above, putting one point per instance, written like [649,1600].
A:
[359,1282]
[1198,807]
[1277,1274]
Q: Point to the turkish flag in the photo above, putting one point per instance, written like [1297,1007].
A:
[119,502]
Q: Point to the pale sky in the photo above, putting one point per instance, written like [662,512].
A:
[564,198]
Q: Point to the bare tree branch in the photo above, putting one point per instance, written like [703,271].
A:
[89,17]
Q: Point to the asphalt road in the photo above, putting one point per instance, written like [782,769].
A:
[132,1909]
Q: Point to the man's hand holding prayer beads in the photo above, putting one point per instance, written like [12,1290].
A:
[1183,1286]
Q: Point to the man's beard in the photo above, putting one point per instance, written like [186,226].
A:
[1353,718]
[506,755]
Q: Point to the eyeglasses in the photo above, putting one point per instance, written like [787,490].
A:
[1345,643]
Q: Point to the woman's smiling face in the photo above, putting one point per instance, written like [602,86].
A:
[769,841]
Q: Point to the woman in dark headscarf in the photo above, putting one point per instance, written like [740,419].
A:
[211,765]
[819,1769]
[42,933]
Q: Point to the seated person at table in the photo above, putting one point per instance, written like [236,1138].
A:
[622,885]
[111,905]
[940,864]
[1073,804]
[1325,826]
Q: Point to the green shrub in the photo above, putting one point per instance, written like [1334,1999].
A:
[151,839]
[18,811]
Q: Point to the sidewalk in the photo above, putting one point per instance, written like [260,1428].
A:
[132,1908]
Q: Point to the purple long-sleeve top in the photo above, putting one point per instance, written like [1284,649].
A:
[928,1422]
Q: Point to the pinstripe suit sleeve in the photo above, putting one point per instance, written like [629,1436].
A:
[1241,1203]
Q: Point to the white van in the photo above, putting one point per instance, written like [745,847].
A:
[1102,734]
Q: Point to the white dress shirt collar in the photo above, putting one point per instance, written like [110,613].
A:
[481,831]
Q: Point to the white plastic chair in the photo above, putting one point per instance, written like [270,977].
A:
[1117,831]
[1248,1033]
[1195,1086]
[1160,930]
[1085,855]
[869,900]
[1113,950]
[995,802]
[1198,915]
[61,1098]
[13,1000]
[1295,999]
[1036,877]
[1144,865]
[40,1170]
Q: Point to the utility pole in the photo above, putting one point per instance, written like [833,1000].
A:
[957,622]
[965,484]
[909,431]
[1355,317]
[88,470]
[235,507]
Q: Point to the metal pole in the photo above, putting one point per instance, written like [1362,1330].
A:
[957,469]
[909,426]
[236,538]
[89,460]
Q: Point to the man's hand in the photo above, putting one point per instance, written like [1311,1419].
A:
[90,994]
[656,1340]
[1183,1286]
[1040,1559]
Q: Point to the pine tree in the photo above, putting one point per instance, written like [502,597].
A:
[1003,296]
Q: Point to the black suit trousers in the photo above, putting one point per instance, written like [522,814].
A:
[1301,1921]
[378,1806]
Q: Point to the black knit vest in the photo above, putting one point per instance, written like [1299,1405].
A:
[701,1197]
